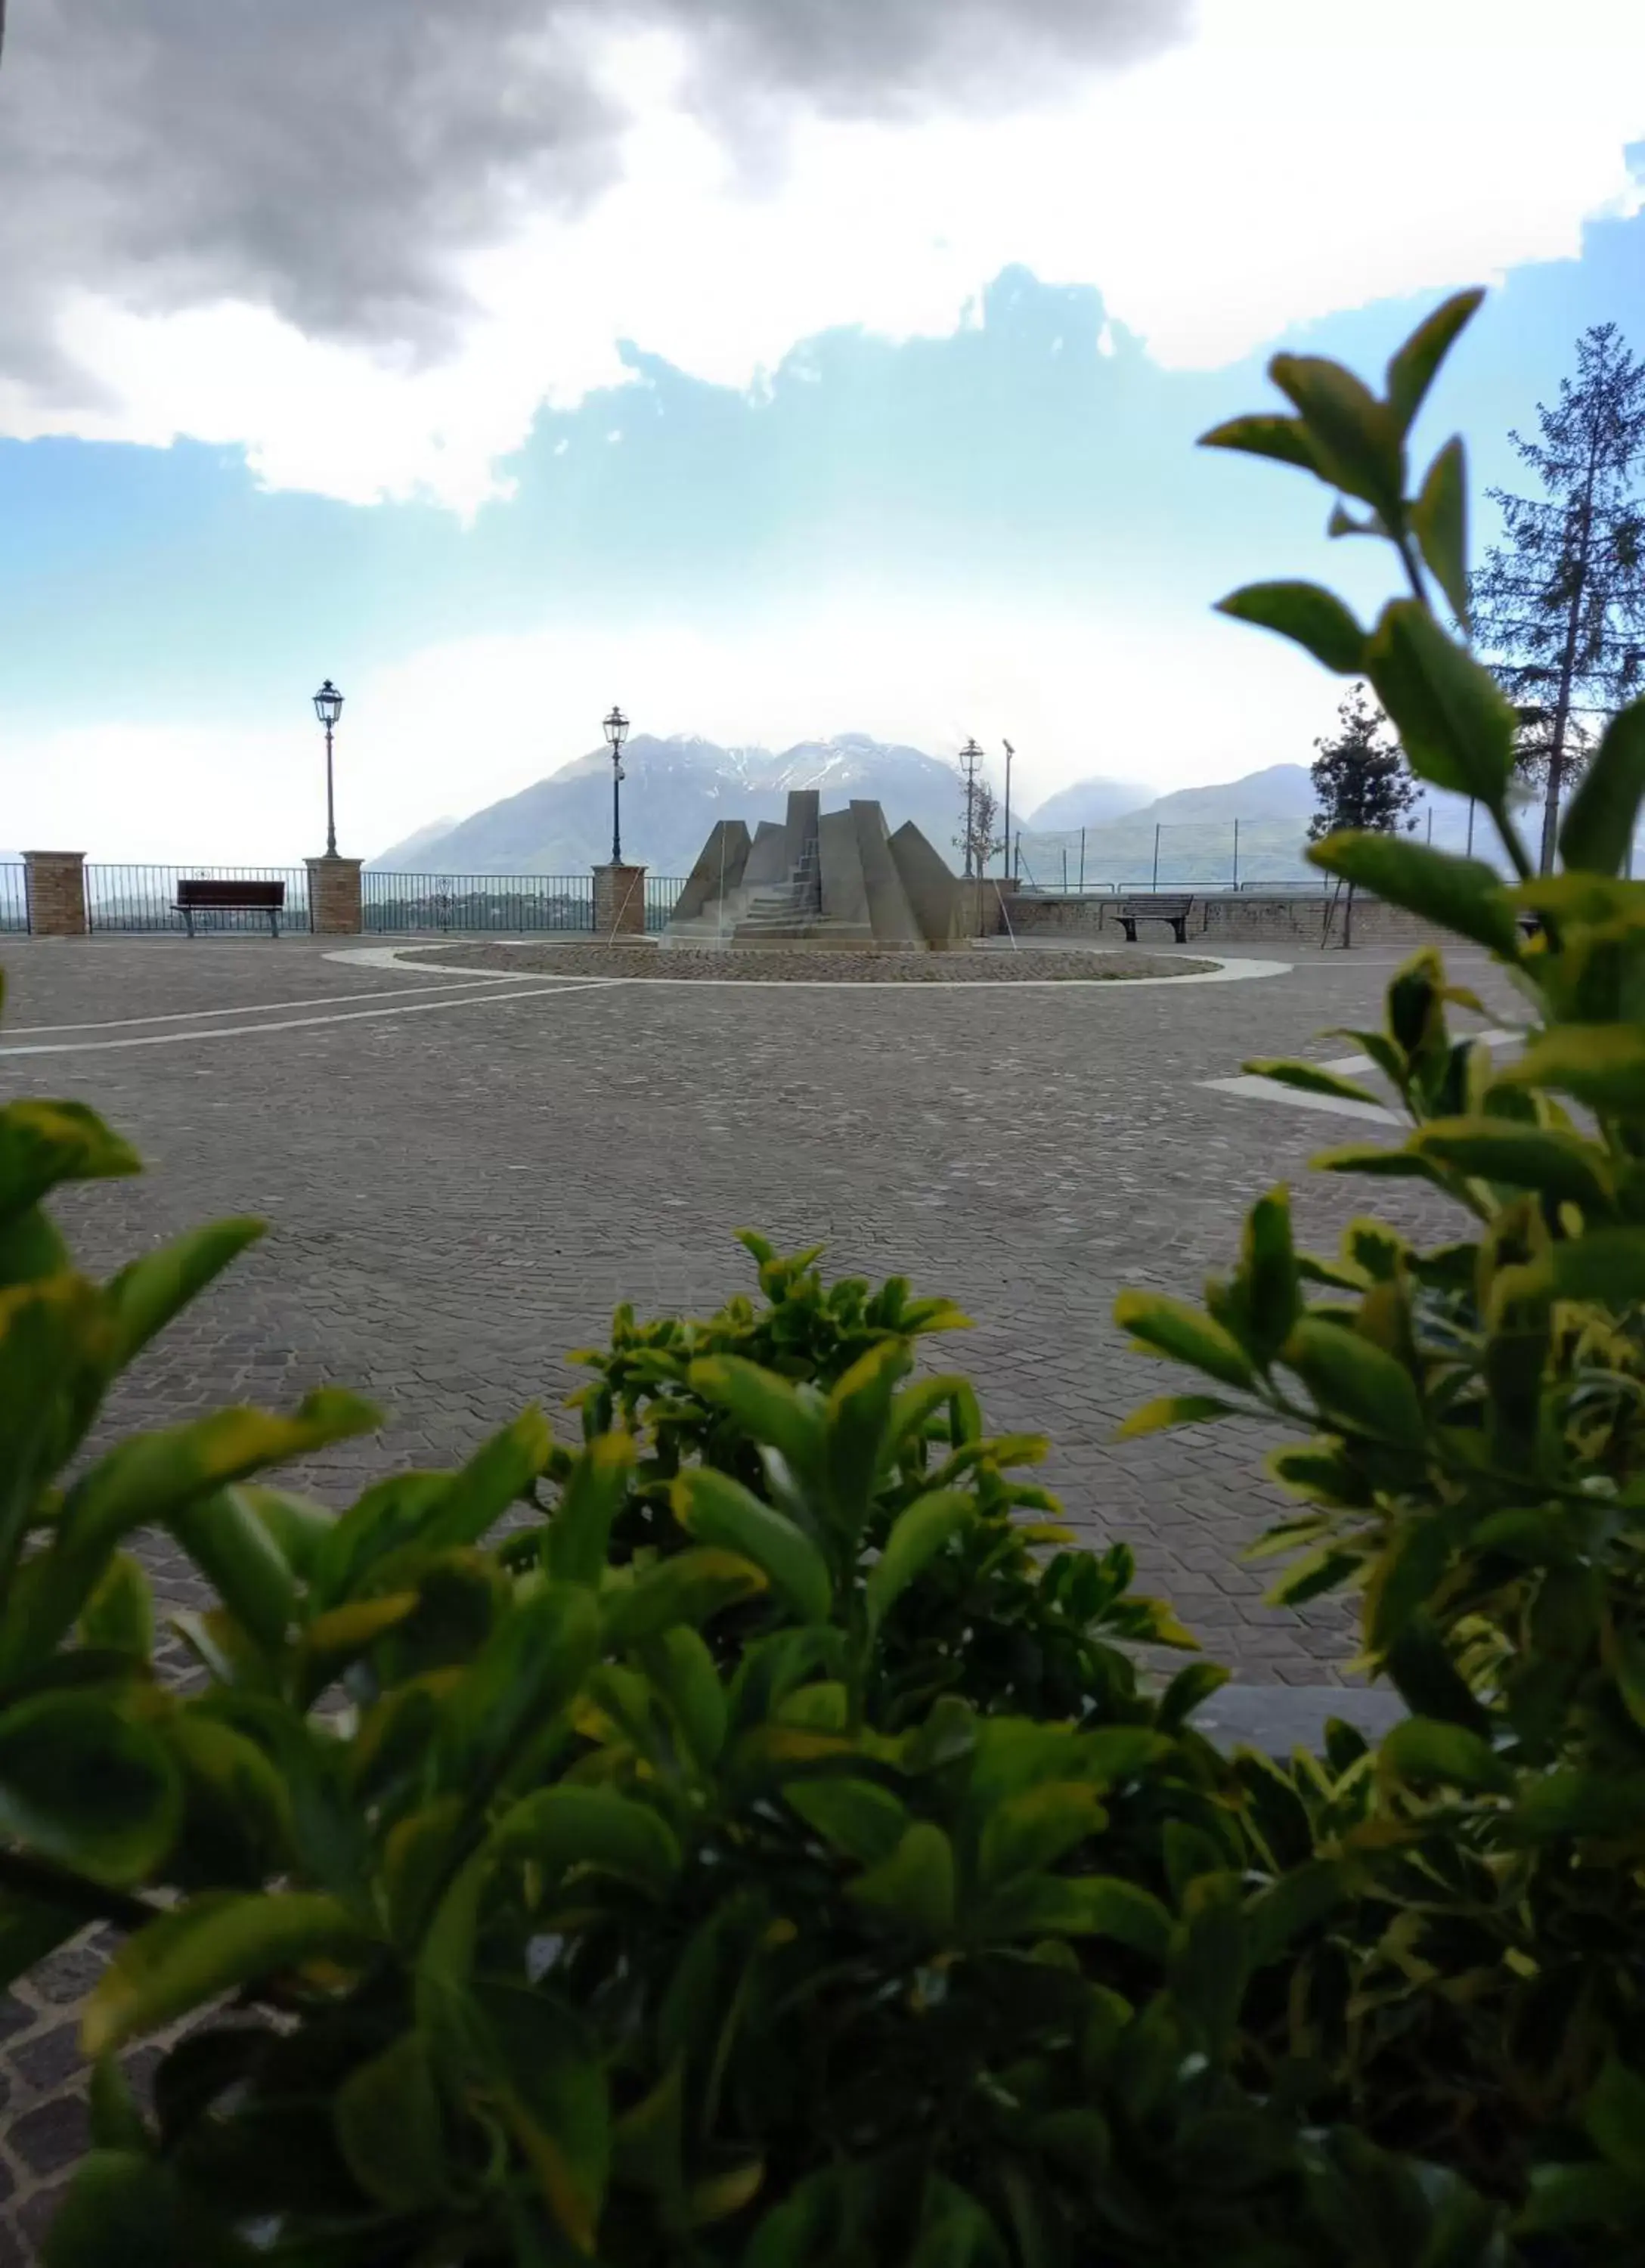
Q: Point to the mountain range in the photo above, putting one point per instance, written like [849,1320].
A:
[675,789]
[673,793]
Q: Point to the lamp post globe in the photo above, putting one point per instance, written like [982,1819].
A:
[616,728]
[329,708]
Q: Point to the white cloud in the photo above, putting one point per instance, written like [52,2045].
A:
[1174,697]
[1294,159]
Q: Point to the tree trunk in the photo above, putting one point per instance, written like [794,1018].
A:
[1347,920]
[1567,670]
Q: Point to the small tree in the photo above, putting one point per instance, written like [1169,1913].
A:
[1361,779]
[1559,605]
[976,841]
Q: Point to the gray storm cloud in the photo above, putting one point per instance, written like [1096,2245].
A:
[331,158]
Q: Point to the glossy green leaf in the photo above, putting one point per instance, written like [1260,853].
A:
[208,1946]
[722,1512]
[528,1668]
[43,1144]
[1439,520]
[1411,368]
[1034,1831]
[1559,1165]
[1268,1276]
[858,1429]
[1169,1410]
[155,1476]
[765,1406]
[1309,615]
[579,1534]
[916,1537]
[1600,819]
[555,2097]
[387,2119]
[1582,1803]
[1454,723]
[1601,1065]
[857,1816]
[143,1297]
[1266,435]
[1352,1378]
[1085,1905]
[1193,1685]
[915,1887]
[119,1616]
[1355,440]
[682,1668]
[568,1829]
[1615,2116]
[53,1345]
[1464,896]
[1604,1263]
[1424,1748]
[1311,1078]
[237,1554]
[1401,1165]
[691,1586]
[1172,1328]
[82,1783]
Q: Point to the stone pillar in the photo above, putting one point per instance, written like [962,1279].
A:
[55,883]
[619,902]
[334,896]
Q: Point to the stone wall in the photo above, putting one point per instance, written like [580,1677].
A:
[334,896]
[1253,916]
[55,883]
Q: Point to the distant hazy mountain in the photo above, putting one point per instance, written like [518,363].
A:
[673,793]
[1195,841]
[1088,803]
[398,858]
[1282,791]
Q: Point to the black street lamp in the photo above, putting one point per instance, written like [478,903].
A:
[329,708]
[616,733]
[1010,752]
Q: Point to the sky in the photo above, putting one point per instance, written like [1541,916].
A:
[776,368]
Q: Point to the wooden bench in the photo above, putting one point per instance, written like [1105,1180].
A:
[1175,910]
[195,895]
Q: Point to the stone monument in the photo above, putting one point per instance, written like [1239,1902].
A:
[832,881]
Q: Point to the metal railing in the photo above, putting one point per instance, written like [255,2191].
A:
[502,903]
[662,893]
[1205,856]
[13,898]
[144,899]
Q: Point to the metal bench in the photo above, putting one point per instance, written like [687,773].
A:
[1175,910]
[195,895]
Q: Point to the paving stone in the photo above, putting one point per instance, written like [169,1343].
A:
[52,2137]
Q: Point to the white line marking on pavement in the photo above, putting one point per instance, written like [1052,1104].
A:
[1258,1089]
[452,999]
[251,1008]
[1222,972]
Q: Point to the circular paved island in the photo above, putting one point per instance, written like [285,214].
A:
[772,965]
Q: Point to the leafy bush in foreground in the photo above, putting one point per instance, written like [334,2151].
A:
[1477,1411]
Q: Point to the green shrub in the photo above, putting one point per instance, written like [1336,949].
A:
[759,1855]
[1476,1410]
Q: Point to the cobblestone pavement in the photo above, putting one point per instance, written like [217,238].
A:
[464,1176]
[768,965]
